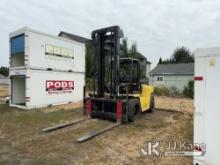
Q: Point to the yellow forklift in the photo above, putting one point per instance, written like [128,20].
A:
[118,81]
[118,93]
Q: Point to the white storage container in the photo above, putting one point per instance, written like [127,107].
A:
[32,49]
[39,88]
[207,104]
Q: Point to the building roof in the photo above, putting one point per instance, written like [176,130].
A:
[175,69]
[143,58]
[73,37]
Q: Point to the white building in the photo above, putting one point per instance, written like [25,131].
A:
[172,75]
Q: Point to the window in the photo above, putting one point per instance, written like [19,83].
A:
[17,46]
[160,78]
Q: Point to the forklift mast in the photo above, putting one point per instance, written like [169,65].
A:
[107,44]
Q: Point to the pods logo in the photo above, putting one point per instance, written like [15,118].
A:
[59,85]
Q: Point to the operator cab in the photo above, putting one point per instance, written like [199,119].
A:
[129,75]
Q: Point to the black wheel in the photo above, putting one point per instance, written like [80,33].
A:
[133,109]
[152,104]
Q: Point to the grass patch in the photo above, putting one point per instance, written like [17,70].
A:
[176,116]
[45,161]
[22,141]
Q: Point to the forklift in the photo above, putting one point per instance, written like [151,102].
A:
[118,94]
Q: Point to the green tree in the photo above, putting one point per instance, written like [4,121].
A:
[189,89]
[160,61]
[167,61]
[4,71]
[90,60]
[180,55]
[133,53]
[129,52]
[124,47]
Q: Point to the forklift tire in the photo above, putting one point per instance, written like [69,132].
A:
[152,104]
[133,109]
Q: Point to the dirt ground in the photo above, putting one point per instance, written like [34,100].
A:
[3,90]
[175,104]
[22,142]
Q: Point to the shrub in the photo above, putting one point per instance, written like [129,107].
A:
[167,91]
[161,91]
[189,89]
[174,92]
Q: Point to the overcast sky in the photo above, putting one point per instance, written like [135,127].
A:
[158,26]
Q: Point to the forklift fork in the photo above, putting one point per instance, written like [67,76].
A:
[91,134]
[95,133]
[59,126]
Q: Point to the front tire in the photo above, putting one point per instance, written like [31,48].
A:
[133,109]
[152,104]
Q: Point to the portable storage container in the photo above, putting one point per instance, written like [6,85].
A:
[39,88]
[207,105]
[32,49]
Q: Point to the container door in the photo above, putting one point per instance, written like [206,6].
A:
[18,90]
[199,102]
[212,107]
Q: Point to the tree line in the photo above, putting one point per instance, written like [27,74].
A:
[180,55]
[4,71]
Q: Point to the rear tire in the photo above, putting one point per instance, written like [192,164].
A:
[133,109]
[152,104]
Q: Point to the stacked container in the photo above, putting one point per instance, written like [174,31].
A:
[44,69]
[206,118]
